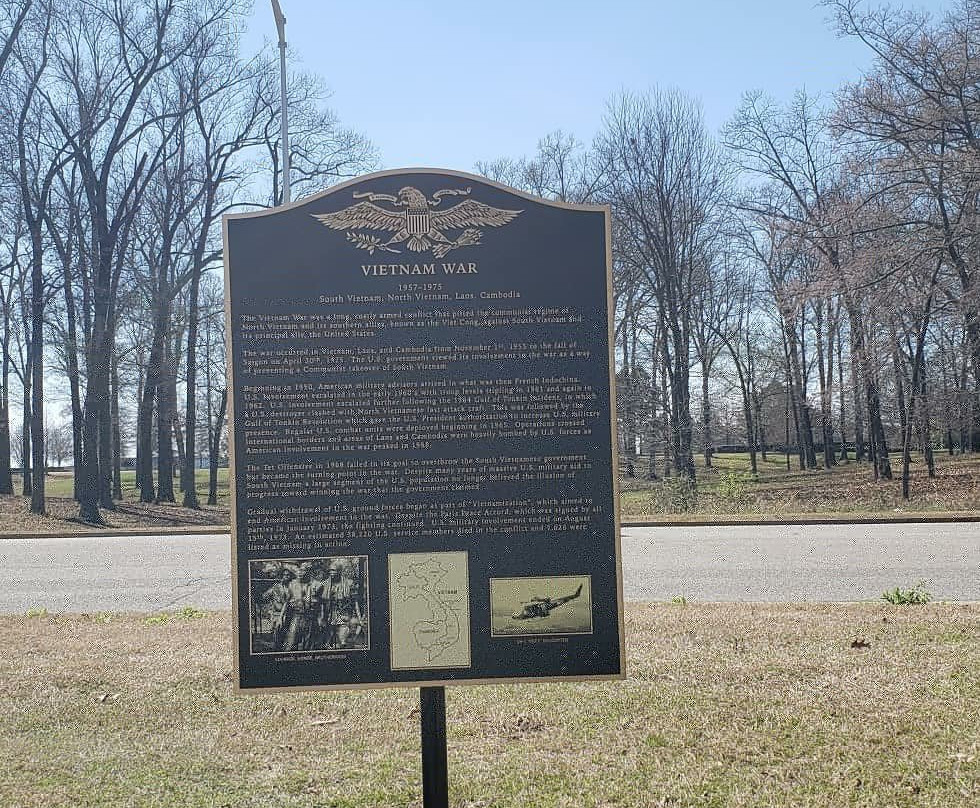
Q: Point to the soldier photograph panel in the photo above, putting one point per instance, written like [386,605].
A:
[309,604]
[521,607]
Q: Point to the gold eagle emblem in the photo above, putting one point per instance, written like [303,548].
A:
[415,221]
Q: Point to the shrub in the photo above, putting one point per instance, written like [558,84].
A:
[907,597]
[675,495]
[733,488]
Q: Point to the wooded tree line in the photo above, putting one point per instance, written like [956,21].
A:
[811,271]
[805,280]
[131,127]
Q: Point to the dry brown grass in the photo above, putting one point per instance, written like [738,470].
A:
[62,517]
[739,706]
[729,488]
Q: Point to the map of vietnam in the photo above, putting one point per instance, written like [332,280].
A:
[429,596]
[442,631]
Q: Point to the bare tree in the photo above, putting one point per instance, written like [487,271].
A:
[109,55]
[40,158]
[562,169]
[12,21]
[802,194]
[918,109]
[215,388]
[666,184]
[320,150]
[712,309]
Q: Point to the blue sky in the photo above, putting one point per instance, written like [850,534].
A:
[448,83]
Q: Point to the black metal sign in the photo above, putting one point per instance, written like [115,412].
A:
[422,437]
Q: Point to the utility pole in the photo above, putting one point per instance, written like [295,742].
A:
[281,28]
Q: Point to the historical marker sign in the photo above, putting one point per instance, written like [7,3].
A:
[422,437]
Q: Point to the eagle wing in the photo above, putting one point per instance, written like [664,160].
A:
[363,214]
[471,214]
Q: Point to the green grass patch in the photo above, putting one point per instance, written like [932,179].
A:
[62,485]
[185,613]
[916,596]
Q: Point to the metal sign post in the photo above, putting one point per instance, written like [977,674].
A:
[435,771]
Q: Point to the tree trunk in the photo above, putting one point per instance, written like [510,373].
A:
[856,394]
[668,410]
[214,449]
[190,409]
[25,426]
[151,386]
[925,427]
[96,390]
[883,466]
[824,369]
[840,391]
[786,421]
[116,437]
[948,412]
[791,392]
[181,465]
[74,383]
[878,440]
[653,421]
[166,394]
[899,371]
[760,427]
[681,401]
[37,372]
[629,438]
[802,407]
[706,414]
[105,444]
[6,477]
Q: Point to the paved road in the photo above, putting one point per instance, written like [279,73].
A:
[770,563]
[801,562]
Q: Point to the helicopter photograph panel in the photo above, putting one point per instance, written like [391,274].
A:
[532,606]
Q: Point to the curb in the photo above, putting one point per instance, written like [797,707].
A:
[626,522]
[806,519]
[121,532]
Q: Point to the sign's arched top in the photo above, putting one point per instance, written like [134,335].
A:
[464,177]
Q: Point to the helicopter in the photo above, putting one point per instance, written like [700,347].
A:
[542,607]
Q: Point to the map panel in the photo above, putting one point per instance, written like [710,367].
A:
[429,606]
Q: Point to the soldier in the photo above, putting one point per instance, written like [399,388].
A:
[297,617]
[340,612]
[272,602]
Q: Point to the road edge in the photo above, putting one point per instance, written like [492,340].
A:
[720,520]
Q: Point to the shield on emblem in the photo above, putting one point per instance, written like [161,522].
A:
[418,222]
